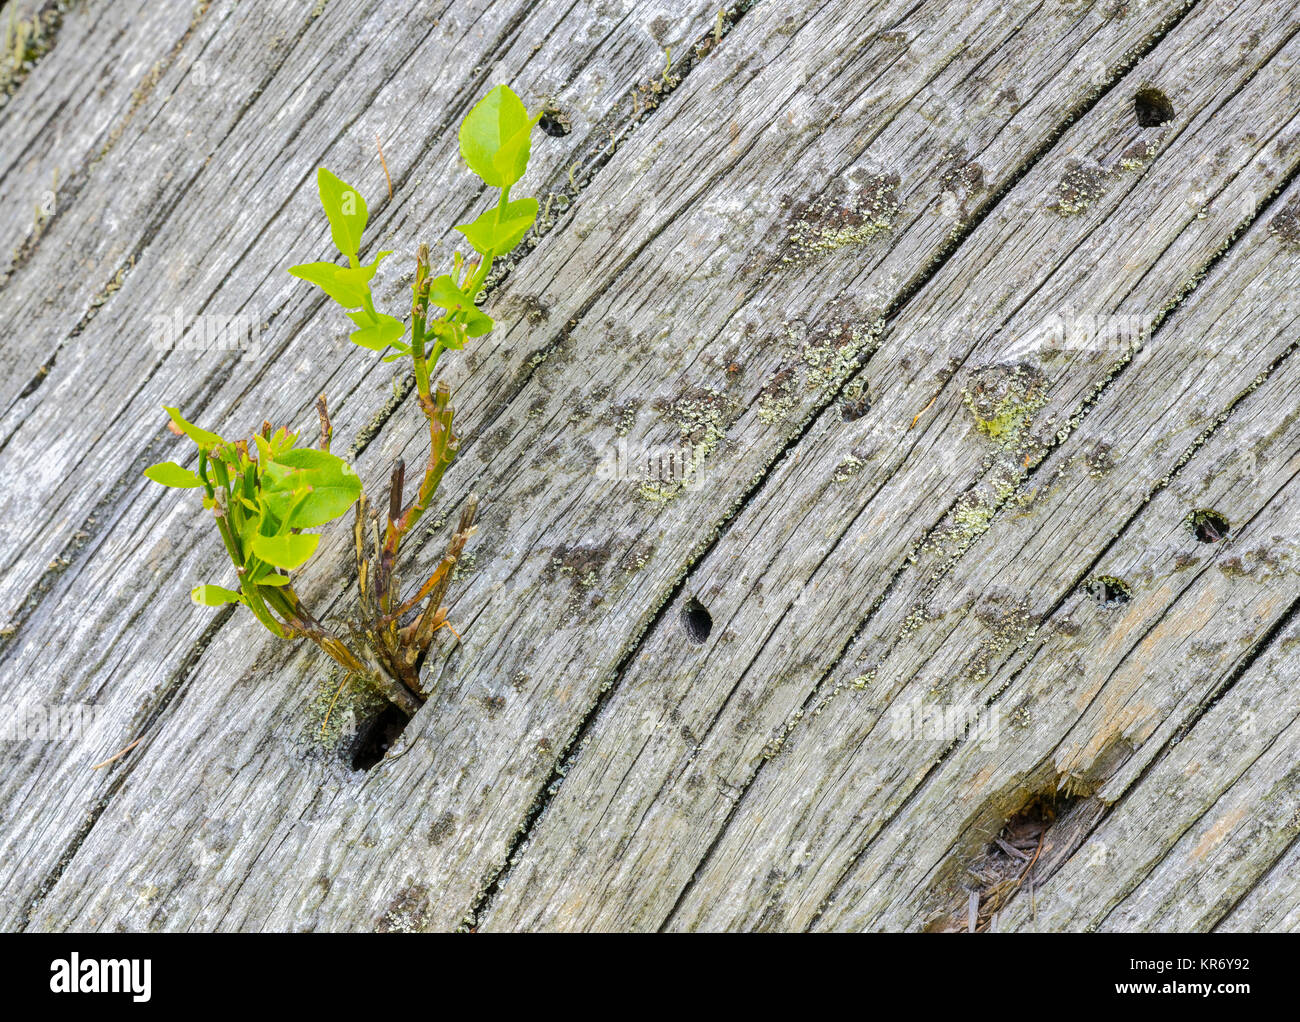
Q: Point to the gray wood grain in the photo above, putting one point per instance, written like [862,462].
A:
[792,580]
[120,414]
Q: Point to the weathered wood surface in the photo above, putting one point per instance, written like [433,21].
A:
[826,270]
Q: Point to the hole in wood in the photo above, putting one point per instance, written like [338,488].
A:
[856,404]
[1009,859]
[376,738]
[697,621]
[1152,108]
[1109,591]
[554,123]
[1208,526]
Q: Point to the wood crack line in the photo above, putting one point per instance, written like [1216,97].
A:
[76,182]
[1200,711]
[1196,279]
[569,751]
[1205,706]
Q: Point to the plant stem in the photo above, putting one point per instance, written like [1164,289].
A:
[303,622]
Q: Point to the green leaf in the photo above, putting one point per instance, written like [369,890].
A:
[324,504]
[495,137]
[512,159]
[332,487]
[248,531]
[444,293]
[200,436]
[491,238]
[347,285]
[346,210]
[450,335]
[264,454]
[265,575]
[168,473]
[312,460]
[288,551]
[376,331]
[215,596]
[477,323]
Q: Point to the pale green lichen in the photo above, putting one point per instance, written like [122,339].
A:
[847,469]
[1079,187]
[464,566]
[777,399]
[831,360]
[337,705]
[974,514]
[1137,156]
[700,417]
[827,225]
[1004,406]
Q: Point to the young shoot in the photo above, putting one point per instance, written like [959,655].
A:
[263,498]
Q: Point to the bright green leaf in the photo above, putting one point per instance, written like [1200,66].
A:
[494,137]
[200,436]
[346,210]
[450,335]
[348,286]
[512,159]
[249,529]
[311,459]
[215,596]
[376,332]
[335,282]
[288,551]
[332,484]
[264,455]
[265,575]
[326,276]
[168,473]
[492,238]
[324,504]
[444,293]
[477,323]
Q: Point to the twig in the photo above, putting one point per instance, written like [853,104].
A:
[924,410]
[119,754]
[384,163]
[326,428]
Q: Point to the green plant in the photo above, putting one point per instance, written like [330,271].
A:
[263,503]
